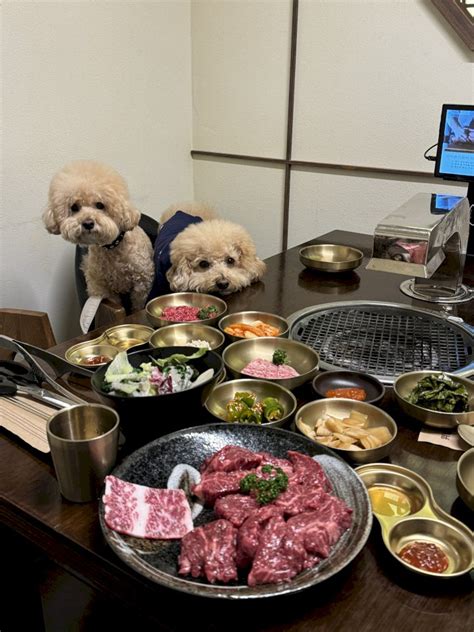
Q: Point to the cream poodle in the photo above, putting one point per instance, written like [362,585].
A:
[89,205]
[199,252]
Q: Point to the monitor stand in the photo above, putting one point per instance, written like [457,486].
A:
[470,198]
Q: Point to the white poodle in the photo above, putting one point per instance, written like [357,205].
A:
[89,205]
[199,252]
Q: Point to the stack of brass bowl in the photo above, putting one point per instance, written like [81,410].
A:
[108,344]
[331,257]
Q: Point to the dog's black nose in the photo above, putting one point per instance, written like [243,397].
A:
[88,225]
[222,285]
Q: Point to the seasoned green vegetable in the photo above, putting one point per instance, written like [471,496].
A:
[441,393]
[207,312]
[245,409]
[265,489]
[178,358]
[279,357]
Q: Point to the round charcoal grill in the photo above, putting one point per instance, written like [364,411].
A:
[383,339]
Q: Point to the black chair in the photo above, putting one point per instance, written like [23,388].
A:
[109,311]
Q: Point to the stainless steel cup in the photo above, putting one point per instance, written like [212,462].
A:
[83,441]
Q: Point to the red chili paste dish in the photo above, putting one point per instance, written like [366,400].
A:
[426,556]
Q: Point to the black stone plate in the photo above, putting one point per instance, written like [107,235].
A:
[152,464]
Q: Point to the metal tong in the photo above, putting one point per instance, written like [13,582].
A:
[58,364]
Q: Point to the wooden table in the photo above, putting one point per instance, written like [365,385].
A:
[372,593]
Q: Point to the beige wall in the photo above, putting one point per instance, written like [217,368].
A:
[104,80]
[371,77]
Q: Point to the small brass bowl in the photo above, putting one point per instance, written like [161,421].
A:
[302,358]
[308,415]
[223,393]
[155,307]
[453,541]
[405,383]
[331,257]
[181,334]
[248,318]
[127,336]
[82,353]
[465,478]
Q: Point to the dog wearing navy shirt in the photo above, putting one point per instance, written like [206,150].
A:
[197,251]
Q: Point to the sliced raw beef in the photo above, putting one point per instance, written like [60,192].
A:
[235,508]
[249,534]
[299,498]
[308,471]
[146,512]
[213,486]
[283,464]
[274,562]
[210,551]
[320,530]
[231,458]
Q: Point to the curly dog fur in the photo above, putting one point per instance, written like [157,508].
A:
[215,255]
[89,205]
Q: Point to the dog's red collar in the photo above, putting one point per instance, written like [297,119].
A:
[115,242]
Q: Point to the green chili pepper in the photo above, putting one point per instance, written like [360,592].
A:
[234,410]
[272,409]
[247,397]
[251,416]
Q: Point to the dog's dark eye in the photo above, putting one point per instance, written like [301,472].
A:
[204,264]
[75,207]
[100,206]
[230,261]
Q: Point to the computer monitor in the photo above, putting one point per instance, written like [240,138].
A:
[455,156]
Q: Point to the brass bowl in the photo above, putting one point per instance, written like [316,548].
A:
[405,383]
[465,478]
[181,334]
[308,415]
[451,539]
[223,393]
[155,307]
[127,336]
[248,318]
[81,353]
[331,257]
[302,358]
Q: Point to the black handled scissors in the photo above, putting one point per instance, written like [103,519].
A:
[16,379]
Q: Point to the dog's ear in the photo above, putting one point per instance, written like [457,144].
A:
[131,216]
[179,275]
[49,220]
[249,260]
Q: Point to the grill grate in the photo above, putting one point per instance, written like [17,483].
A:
[384,342]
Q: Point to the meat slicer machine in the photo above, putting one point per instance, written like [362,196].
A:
[418,239]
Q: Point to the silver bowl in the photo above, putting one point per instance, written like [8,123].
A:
[465,478]
[308,414]
[155,307]
[224,392]
[405,383]
[181,334]
[302,358]
[248,318]
[331,257]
